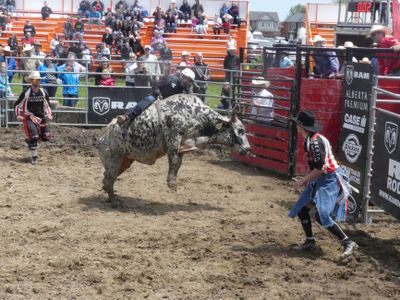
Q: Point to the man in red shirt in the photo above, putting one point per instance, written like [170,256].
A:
[387,65]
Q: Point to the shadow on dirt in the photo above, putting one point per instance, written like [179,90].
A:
[384,252]
[18,160]
[142,206]
[279,251]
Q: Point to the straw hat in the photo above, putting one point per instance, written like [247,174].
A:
[7,49]
[365,60]
[27,47]
[378,28]
[34,75]
[318,38]
[260,81]
[185,53]
[147,47]
[349,44]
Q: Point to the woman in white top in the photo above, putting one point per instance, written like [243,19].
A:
[54,42]
[231,42]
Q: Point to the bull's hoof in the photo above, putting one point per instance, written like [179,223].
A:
[172,185]
[116,203]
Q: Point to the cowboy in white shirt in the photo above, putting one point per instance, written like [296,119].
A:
[262,101]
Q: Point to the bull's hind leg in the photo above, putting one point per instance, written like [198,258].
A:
[114,167]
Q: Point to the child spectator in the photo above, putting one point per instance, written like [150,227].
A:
[103,73]
[79,28]
[13,43]
[126,51]
[225,96]
[195,22]
[157,42]
[226,25]
[68,29]
[9,23]
[29,28]
[87,57]
[70,92]
[130,68]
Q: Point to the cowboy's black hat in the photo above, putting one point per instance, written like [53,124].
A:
[306,120]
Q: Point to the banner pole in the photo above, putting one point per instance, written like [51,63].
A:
[366,217]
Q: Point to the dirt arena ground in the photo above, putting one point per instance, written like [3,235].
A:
[223,235]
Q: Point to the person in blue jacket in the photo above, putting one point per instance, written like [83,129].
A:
[11,63]
[70,81]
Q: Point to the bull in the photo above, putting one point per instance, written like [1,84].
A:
[174,126]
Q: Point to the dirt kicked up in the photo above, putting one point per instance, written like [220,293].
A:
[223,235]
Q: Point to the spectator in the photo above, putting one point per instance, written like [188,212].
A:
[68,29]
[9,23]
[185,59]
[157,42]
[284,60]
[197,9]
[108,37]
[84,9]
[54,42]
[225,96]
[185,11]
[99,6]
[28,39]
[202,74]
[103,73]
[165,60]
[79,28]
[387,66]
[105,51]
[87,58]
[142,77]
[3,21]
[231,42]
[135,27]
[126,51]
[27,64]
[171,22]
[76,49]
[159,21]
[10,6]
[48,72]
[194,23]
[136,46]
[46,11]
[94,18]
[62,52]
[37,52]
[29,28]
[70,81]
[12,42]
[5,88]
[223,11]
[121,5]
[234,12]
[11,63]
[262,101]
[151,63]
[109,20]
[231,65]
[226,25]
[326,62]
[130,69]
[119,42]
[217,25]
[202,26]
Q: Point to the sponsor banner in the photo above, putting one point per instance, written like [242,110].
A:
[105,103]
[385,183]
[353,142]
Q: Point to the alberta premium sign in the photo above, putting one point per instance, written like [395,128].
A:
[355,123]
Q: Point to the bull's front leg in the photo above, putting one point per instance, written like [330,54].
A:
[174,161]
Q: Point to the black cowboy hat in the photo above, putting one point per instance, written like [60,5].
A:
[306,120]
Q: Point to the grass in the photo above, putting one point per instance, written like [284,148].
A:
[214,89]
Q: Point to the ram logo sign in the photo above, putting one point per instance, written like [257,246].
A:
[349,74]
[101,105]
[391,136]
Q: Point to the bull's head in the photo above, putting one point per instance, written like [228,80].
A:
[232,133]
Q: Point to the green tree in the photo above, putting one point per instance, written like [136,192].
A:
[298,8]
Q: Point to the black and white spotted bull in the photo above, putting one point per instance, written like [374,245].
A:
[174,126]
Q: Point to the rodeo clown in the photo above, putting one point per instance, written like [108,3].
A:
[164,88]
[33,110]
[326,189]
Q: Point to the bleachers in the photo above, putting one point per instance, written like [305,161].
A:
[213,47]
